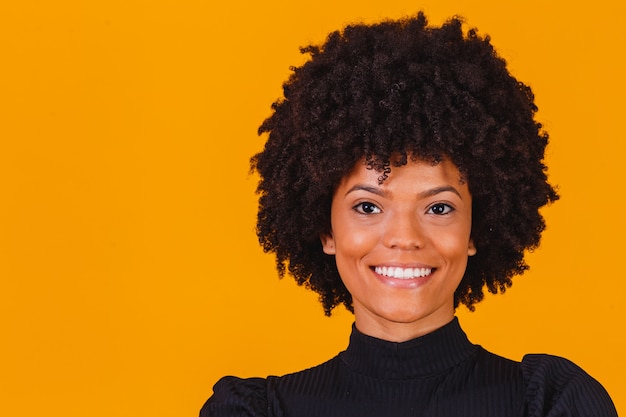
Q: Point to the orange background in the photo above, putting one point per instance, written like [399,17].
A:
[131,279]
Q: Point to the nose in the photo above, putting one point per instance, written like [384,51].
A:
[403,231]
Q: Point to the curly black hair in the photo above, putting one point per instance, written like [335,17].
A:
[402,87]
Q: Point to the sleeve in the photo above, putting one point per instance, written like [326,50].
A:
[236,397]
[557,387]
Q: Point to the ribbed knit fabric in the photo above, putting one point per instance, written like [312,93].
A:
[440,374]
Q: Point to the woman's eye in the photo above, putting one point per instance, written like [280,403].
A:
[440,208]
[367,208]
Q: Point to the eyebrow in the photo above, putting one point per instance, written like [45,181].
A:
[424,194]
[368,188]
[439,190]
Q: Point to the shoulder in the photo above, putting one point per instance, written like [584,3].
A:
[558,387]
[237,397]
[264,397]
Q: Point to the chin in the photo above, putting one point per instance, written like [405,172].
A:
[403,316]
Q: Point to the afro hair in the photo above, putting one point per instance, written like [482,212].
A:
[402,88]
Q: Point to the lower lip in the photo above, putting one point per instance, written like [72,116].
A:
[406,282]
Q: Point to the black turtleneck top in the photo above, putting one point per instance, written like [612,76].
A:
[440,374]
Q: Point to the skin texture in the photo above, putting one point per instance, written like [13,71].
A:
[419,218]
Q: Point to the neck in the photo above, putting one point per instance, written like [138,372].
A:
[400,330]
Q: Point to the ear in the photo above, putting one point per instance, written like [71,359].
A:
[471,249]
[328,243]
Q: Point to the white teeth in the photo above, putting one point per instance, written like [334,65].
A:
[402,273]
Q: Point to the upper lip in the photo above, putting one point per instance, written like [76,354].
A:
[403,265]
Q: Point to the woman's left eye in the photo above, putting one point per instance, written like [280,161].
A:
[440,209]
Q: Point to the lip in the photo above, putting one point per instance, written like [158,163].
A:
[408,283]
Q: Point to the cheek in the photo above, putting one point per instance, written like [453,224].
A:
[353,246]
[355,242]
[453,244]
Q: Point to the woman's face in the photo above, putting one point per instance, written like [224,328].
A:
[401,247]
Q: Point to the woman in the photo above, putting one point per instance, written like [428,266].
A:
[402,175]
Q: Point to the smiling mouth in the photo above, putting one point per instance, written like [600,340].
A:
[402,273]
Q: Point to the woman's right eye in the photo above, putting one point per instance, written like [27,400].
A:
[367,208]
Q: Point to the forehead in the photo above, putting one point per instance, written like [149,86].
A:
[415,170]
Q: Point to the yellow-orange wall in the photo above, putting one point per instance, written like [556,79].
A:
[130,276]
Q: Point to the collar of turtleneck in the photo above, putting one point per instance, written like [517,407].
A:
[426,355]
